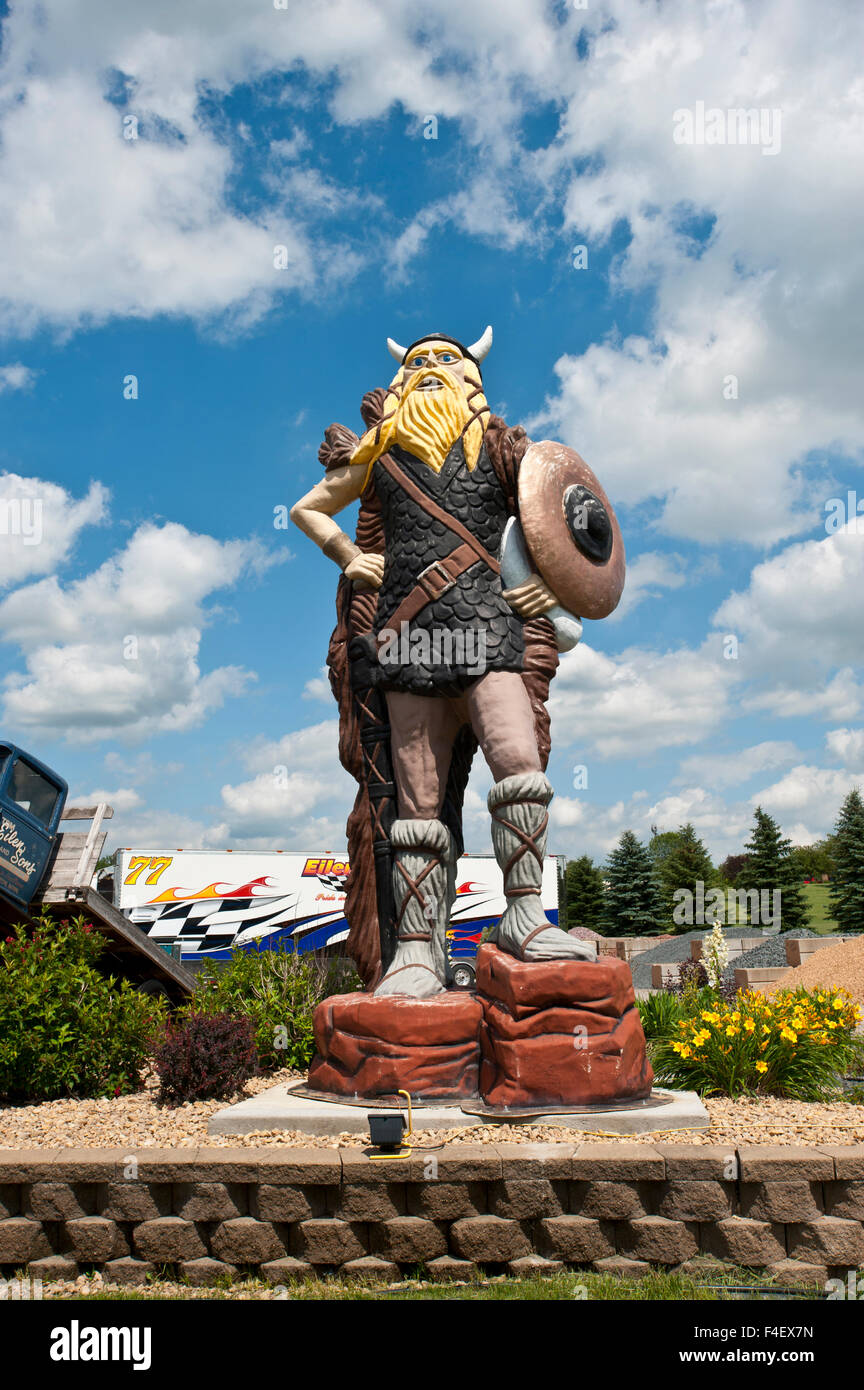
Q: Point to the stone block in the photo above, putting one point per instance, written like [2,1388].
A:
[286,1270]
[299,1167]
[446,1201]
[133,1273]
[209,1201]
[203,1272]
[610,1201]
[168,1240]
[22,1240]
[576,1239]
[245,1241]
[699,1162]
[696,1199]
[594,1162]
[370,1267]
[523,1199]
[786,1201]
[327,1241]
[489,1239]
[10,1199]
[370,1202]
[845,1199]
[798,1272]
[536,1162]
[408,1240]
[828,1240]
[134,1201]
[59,1201]
[743,1241]
[445,1269]
[287,1202]
[781,1163]
[52,1269]
[93,1240]
[529,1266]
[657,1239]
[621,1266]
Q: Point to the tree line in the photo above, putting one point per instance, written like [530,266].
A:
[645,890]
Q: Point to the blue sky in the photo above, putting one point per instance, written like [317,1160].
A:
[306,128]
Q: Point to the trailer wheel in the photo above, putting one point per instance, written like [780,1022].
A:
[463,976]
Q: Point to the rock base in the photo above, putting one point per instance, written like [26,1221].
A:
[559,1032]
[370,1046]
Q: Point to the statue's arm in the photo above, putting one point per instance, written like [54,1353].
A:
[314,515]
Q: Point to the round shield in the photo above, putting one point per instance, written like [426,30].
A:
[571,530]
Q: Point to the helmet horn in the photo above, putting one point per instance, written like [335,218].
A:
[395,350]
[479,349]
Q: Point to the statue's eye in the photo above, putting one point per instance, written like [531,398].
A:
[446,357]
[416,362]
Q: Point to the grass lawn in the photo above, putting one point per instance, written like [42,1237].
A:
[575,1286]
[816,897]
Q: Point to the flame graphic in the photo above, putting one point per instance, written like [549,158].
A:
[214,890]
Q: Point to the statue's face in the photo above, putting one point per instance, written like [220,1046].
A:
[439,360]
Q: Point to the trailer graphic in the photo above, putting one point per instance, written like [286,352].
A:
[212,902]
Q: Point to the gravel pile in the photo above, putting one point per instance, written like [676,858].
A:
[674,949]
[840,966]
[768,955]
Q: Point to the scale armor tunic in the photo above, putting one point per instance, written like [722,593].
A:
[413,539]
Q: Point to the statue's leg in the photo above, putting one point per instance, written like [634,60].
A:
[421,851]
[503,721]
[422,731]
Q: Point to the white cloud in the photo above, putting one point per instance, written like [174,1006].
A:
[40,523]
[634,703]
[117,653]
[299,787]
[847,745]
[16,377]
[737,765]
[647,576]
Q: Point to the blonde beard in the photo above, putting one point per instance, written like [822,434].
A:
[427,423]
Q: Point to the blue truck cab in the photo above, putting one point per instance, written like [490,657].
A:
[32,798]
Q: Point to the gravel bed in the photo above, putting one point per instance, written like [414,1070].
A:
[769,954]
[841,965]
[673,949]
[136,1121]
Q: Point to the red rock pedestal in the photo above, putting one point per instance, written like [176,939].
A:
[559,1031]
[376,1047]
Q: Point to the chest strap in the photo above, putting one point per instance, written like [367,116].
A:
[440,575]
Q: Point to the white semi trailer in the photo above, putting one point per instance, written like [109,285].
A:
[211,902]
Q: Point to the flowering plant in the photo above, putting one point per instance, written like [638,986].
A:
[796,1044]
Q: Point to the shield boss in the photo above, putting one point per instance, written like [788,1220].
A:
[571,530]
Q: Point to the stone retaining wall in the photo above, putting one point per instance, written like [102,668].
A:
[288,1213]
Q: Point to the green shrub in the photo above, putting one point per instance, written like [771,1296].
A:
[65,1028]
[278,991]
[660,1014]
[204,1057]
[796,1044]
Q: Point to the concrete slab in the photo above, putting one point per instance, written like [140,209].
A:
[277,1108]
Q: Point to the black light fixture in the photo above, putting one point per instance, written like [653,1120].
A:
[386,1131]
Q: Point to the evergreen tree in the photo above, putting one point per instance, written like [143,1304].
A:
[771,866]
[633,902]
[686,864]
[584,894]
[847,885]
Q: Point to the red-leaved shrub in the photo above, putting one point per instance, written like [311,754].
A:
[205,1057]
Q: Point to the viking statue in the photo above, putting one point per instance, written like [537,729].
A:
[474,552]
